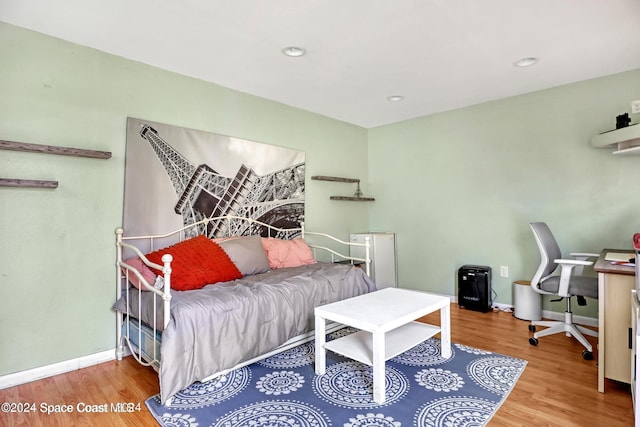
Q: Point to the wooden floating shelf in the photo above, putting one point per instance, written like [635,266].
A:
[51,149]
[45,149]
[353,199]
[27,183]
[358,196]
[334,178]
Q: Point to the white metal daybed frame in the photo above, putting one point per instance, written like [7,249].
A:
[124,334]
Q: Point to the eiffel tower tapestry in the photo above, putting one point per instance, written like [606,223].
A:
[176,176]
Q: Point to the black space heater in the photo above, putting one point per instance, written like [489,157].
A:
[474,287]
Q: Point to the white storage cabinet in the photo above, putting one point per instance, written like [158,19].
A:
[383,257]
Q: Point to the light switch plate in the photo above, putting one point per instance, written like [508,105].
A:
[504,271]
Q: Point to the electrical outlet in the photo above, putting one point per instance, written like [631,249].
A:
[504,271]
[635,106]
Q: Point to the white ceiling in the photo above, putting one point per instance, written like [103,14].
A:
[439,54]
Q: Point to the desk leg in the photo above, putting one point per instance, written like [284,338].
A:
[320,350]
[378,367]
[601,332]
[445,331]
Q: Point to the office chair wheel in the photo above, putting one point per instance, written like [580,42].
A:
[533,341]
[532,328]
[587,355]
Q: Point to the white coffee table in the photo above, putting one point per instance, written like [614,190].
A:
[387,327]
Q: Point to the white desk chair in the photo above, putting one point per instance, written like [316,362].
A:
[569,283]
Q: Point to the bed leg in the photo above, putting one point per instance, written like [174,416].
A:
[119,353]
[119,349]
[119,337]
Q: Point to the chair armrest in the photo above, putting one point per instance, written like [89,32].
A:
[566,270]
[583,255]
[572,262]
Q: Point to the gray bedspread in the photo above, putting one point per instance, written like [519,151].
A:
[222,325]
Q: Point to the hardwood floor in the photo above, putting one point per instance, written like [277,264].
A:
[557,388]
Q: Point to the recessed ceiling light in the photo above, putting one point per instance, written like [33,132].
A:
[395,98]
[294,51]
[526,62]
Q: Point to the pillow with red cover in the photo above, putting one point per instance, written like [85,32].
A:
[287,253]
[196,262]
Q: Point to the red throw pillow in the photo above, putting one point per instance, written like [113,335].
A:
[196,262]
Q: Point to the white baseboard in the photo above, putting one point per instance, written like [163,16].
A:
[495,305]
[547,314]
[29,375]
[580,320]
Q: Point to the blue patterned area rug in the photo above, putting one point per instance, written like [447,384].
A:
[422,389]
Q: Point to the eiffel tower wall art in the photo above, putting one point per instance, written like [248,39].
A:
[176,176]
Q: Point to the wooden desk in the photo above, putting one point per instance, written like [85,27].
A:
[615,283]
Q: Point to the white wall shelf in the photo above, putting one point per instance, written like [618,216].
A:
[626,140]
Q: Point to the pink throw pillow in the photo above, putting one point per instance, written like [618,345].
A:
[146,272]
[287,253]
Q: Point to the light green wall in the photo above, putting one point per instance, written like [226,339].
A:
[57,253]
[461,187]
[458,187]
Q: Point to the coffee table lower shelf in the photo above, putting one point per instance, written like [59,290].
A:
[358,346]
[387,323]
